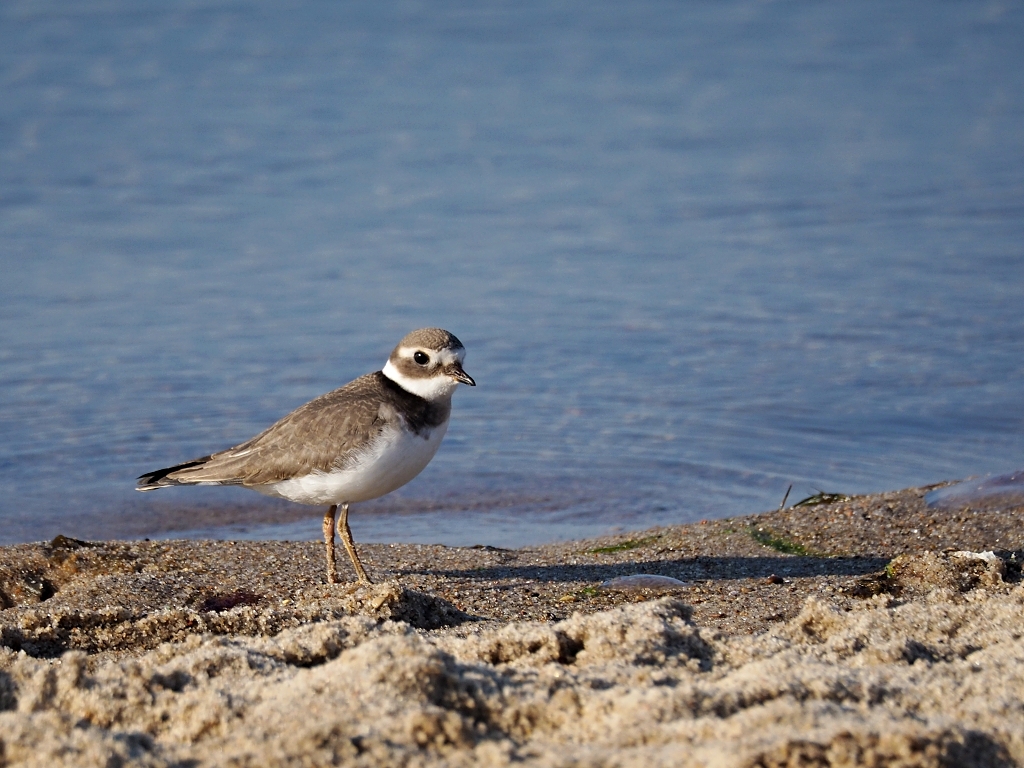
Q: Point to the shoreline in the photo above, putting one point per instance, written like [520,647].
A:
[800,584]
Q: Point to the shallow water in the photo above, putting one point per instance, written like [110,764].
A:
[697,253]
[998,492]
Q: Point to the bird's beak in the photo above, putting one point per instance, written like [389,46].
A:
[455,371]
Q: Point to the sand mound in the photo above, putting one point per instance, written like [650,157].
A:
[862,632]
[60,625]
[927,682]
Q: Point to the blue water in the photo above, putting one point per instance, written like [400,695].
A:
[697,252]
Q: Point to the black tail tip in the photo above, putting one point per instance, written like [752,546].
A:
[160,478]
[152,480]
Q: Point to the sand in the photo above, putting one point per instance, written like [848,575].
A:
[872,631]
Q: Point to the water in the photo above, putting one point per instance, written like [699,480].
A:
[999,492]
[697,252]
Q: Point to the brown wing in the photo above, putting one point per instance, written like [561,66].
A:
[314,437]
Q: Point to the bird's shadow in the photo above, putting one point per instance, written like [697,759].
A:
[684,569]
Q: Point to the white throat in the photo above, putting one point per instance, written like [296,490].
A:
[439,387]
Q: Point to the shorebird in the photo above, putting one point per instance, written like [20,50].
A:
[359,442]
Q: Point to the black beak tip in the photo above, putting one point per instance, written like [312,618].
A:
[460,375]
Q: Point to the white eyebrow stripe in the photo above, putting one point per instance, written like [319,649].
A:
[447,356]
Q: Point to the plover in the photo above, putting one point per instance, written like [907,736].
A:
[368,438]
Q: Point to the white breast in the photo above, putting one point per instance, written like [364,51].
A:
[389,463]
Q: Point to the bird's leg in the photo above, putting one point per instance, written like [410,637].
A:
[332,574]
[346,539]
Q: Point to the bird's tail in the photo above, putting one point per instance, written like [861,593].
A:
[164,478]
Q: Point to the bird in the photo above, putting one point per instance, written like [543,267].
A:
[353,444]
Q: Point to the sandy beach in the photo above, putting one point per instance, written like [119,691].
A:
[870,631]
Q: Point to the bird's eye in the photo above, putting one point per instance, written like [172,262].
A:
[421,357]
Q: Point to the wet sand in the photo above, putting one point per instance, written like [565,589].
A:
[861,632]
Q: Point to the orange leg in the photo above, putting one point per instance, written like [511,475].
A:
[332,573]
[350,545]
